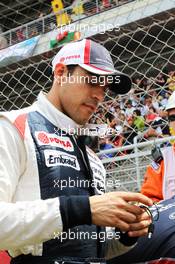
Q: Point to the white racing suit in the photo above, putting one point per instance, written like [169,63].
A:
[44,190]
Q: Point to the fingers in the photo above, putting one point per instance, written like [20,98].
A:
[140,225]
[139,233]
[135,197]
[120,203]
[140,228]
[143,216]
[116,209]
[134,209]
[123,226]
[125,216]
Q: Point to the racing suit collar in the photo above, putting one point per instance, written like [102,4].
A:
[56,117]
[60,120]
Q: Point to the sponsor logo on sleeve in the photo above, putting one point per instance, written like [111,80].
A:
[59,158]
[155,165]
[44,138]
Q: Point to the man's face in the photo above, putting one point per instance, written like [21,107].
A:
[134,114]
[129,105]
[171,118]
[148,101]
[79,94]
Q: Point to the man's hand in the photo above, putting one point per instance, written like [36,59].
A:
[116,209]
[140,227]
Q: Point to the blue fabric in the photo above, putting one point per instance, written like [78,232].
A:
[107,146]
[59,159]
[54,260]
[61,173]
[162,243]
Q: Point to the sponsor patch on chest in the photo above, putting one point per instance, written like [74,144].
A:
[44,138]
[59,158]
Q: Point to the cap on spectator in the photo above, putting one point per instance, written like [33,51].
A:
[129,102]
[171,102]
[94,58]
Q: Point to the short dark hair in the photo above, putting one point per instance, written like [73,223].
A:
[71,69]
[137,112]
[129,102]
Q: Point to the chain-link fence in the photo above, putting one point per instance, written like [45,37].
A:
[144,49]
[127,172]
[24,20]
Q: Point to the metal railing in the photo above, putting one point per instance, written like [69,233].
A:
[128,170]
[49,22]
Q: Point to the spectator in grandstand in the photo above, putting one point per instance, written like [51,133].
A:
[20,35]
[147,103]
[129,133]
[105,144]
[99,116]
[129,109]
[117,111]
[122,118]
[134,99]
[137,84]
[90,8]
[139,121]
[155,122]
[171,81]
[42,153]
[151,115]
[116,131]
[163,100]
[112,109]
[118,138]
[39,25]
[77,10]
[160,80]
[106,4]
[33,32]
[116,125]
[140,84]
[154,97]
[3,42]
[160,84]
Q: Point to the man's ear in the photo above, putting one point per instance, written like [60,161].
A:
[59,70]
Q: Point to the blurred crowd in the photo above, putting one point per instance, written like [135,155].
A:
[44,25]
[141,114]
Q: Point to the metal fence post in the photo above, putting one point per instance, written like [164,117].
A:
[10,39]
[97,7]
[27,31]
[137,163]
[43,26]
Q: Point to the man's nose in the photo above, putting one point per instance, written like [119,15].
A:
[98,93]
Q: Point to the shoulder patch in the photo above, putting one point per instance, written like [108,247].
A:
[154,165]
[20,124]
